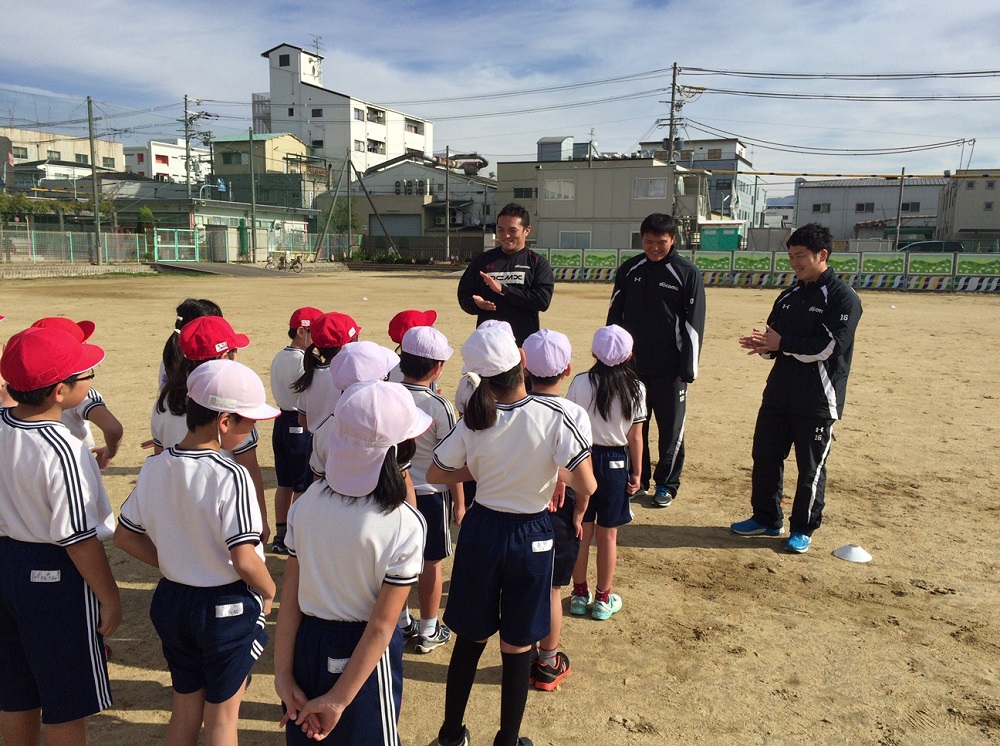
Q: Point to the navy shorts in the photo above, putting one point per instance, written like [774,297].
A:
[322,649]
[292,445]
[567,545]
[436,510]
[51,655]
[610,504]
[501,579]
[211,637]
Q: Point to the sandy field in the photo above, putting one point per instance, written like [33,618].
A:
[721,639]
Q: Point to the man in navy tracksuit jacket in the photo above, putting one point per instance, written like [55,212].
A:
[510,283]
[810,338]
[659,298]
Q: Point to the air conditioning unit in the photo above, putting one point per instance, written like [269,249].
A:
[456,218]
[439,220]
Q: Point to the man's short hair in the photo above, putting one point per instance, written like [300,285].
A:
[516,211]
[813,236]
[659,223]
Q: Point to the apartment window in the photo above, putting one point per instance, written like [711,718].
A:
[317,143]
[414,127]
[359,145]
[376,146]
[988,206]
[649,188]
[53,155]
[234,159]
[316,113]
[359,114]
[163,160]
[108,162]
[376,115]
[910,207]
[19,152]
[414,151]
[687,155]
[291,111]
[82,158]
[715,154]
[991,184]
[864,207]
[724,185]
[821,207]
[284,60]
[140,157]
[970,184]
[525,193]
[574,239]
[559,189]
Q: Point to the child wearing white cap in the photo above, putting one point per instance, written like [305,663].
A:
[424,351]
[615,398]
[516,447]
[547,358]
[355,548]
[193,515]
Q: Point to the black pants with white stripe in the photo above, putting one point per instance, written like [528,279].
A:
[666,400]
[773,437]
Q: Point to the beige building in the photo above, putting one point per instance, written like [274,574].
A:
[600,203]
[30,146]
[969,206]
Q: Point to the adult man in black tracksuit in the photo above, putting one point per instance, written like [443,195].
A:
[810,337]
[510,283]
[659,298]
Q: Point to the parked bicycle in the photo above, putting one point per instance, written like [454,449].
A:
[281,262]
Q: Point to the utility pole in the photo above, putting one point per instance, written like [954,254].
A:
[447,203]
[187,146]
[93,178]
[673,118]
[253,202]
[899,206]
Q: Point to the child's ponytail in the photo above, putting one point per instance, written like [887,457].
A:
[481,411]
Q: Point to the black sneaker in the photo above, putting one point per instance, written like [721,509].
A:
[465,740]
[441,635]
[548,675]
[278,547]
[411,630]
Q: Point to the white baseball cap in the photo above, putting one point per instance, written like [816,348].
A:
[361,361]
[370,418]
[547,353]
[489,351]
[428,342]
[228,386]
[497,324]
[612,345]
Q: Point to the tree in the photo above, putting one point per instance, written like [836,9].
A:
[145,225]
[338,224]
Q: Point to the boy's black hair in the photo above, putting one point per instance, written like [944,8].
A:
[415,366]
[543,380]
[292,333]
[813,236]
[199,416]
[658,224]
[481,411]
[37,397]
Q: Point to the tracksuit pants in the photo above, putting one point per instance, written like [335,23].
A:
[776,432]
[666,400]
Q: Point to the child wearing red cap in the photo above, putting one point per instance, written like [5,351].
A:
[290,441]
[94,408]
[205,338]
[317,394]
[399,325]
[58,598]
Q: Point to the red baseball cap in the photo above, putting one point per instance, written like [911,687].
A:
[208,337]
[39,357]
[333,330]
[403,321]
[304,317]
[79,329]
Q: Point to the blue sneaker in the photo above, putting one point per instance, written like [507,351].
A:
[750,527]
[662,497]
[798,543]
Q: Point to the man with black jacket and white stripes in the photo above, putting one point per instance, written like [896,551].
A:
[659,298]
[810,337]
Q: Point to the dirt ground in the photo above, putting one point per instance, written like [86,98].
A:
[722,639]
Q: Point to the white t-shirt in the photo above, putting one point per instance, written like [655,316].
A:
[195,506]
[319,400]
[613,432]
[347,549]
[286,368]
[55,494]
[169,429]
[320,447]
[515,462]
[77,418]
[443,414]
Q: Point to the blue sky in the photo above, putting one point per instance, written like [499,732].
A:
[137,59]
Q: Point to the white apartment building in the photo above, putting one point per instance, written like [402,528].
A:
[165,161]
[30,146]
[333,124]
[970,206]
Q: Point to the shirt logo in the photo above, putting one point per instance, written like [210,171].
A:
[668,286]
[815,309]
[508,278]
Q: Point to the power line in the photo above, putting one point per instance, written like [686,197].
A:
[842,76]
[849,96]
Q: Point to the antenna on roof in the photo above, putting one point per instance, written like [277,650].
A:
[317,43]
